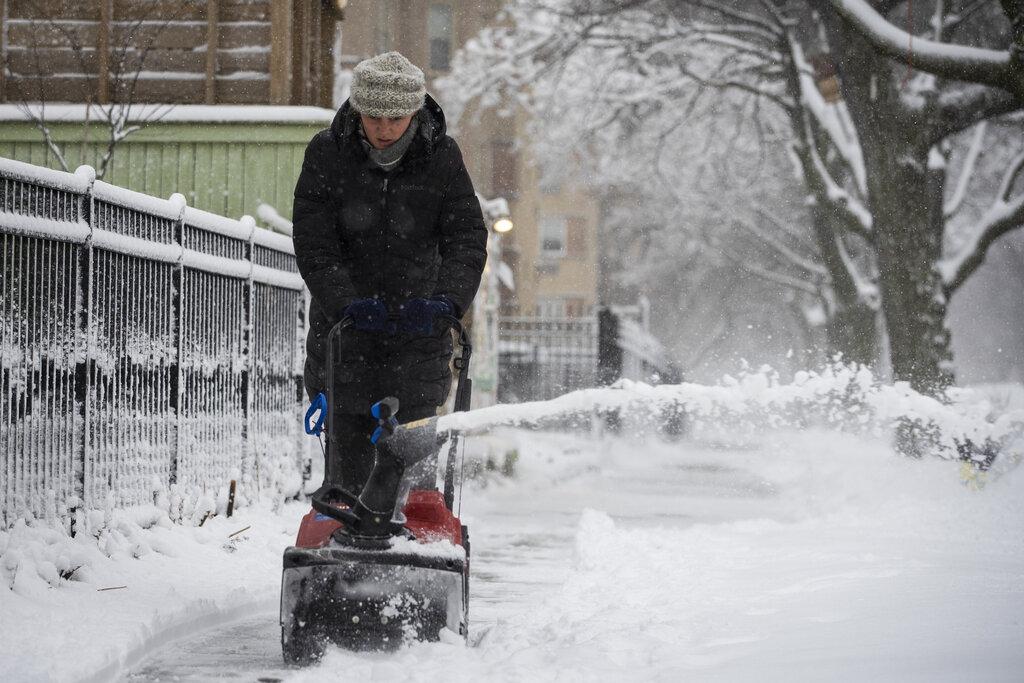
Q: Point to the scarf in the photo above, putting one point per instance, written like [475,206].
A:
[389,157]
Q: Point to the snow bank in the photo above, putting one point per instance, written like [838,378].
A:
[89,607]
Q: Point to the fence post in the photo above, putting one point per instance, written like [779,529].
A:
[84,370]
[300,388]
[178,320]
[248,367]
[609,354]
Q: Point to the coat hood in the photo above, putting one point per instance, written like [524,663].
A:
[432,126]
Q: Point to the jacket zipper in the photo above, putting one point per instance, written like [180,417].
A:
[384,231]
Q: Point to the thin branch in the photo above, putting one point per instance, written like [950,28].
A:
[732,84]
[833,120]
[1010,178]
[784,226]
[855,212]
[866,291]
[39,121]
[963,107]
[782,249]
[732,14]
[955,21]
[1002,217]
[772,276]
[975,152]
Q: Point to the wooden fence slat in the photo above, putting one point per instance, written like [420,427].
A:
[3,50]
[103,48]
[212,17]
[281,51]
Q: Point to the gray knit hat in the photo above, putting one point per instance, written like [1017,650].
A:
[387,85]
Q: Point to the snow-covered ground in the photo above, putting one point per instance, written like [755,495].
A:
[775,556]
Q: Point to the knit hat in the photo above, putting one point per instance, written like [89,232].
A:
[387,85]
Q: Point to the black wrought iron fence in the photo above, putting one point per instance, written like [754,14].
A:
[544,357]
[148,351]
[541,358]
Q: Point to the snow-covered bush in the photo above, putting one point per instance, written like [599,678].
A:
[964,424]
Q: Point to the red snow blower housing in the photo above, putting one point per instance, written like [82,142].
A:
[386,565]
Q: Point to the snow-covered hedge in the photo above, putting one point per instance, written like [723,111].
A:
[964,425]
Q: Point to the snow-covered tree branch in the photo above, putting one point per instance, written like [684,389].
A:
[1006,213]
[997,68]
[625,82]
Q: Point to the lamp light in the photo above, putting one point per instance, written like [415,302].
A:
[502,225]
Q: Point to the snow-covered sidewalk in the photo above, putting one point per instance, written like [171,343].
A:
[796,555]
[814,556]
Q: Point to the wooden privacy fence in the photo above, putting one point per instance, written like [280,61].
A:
[149,352]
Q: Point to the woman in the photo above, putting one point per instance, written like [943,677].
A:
[388,231]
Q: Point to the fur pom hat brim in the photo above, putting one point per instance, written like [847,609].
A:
[387,85]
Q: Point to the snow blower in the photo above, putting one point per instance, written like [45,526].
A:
[375,569]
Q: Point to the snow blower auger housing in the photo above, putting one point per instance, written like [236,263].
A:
[372,570]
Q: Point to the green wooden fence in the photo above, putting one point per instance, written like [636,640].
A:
[225,168]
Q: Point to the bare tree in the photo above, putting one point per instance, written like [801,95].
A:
[873,161]
[902,131]
[642,72]
[115,107]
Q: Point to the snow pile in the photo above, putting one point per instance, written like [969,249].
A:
[840,396]
[87,607]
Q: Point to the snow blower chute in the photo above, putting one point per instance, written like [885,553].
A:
[373,569]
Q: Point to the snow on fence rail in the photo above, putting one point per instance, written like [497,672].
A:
[149,352]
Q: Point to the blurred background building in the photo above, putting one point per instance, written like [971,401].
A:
[217,99]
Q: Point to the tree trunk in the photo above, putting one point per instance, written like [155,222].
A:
[903,197]
[851,331]
[852,323]
[909,245]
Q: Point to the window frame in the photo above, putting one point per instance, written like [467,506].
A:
[542,233]
[442,8]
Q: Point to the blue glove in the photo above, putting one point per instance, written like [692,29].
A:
[369,315]
[418,315]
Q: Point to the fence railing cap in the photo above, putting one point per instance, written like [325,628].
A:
[274,240]
[221,225]
[172,208]
[37,175]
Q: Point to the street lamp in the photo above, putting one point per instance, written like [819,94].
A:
[497,212]
[487,303]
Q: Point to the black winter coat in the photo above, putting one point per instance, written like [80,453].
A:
[361,232]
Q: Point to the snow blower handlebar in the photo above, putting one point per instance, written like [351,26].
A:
[369,514]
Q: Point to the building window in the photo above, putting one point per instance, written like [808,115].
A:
[504,162]
[439,33]
[550,308]
[552,236]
